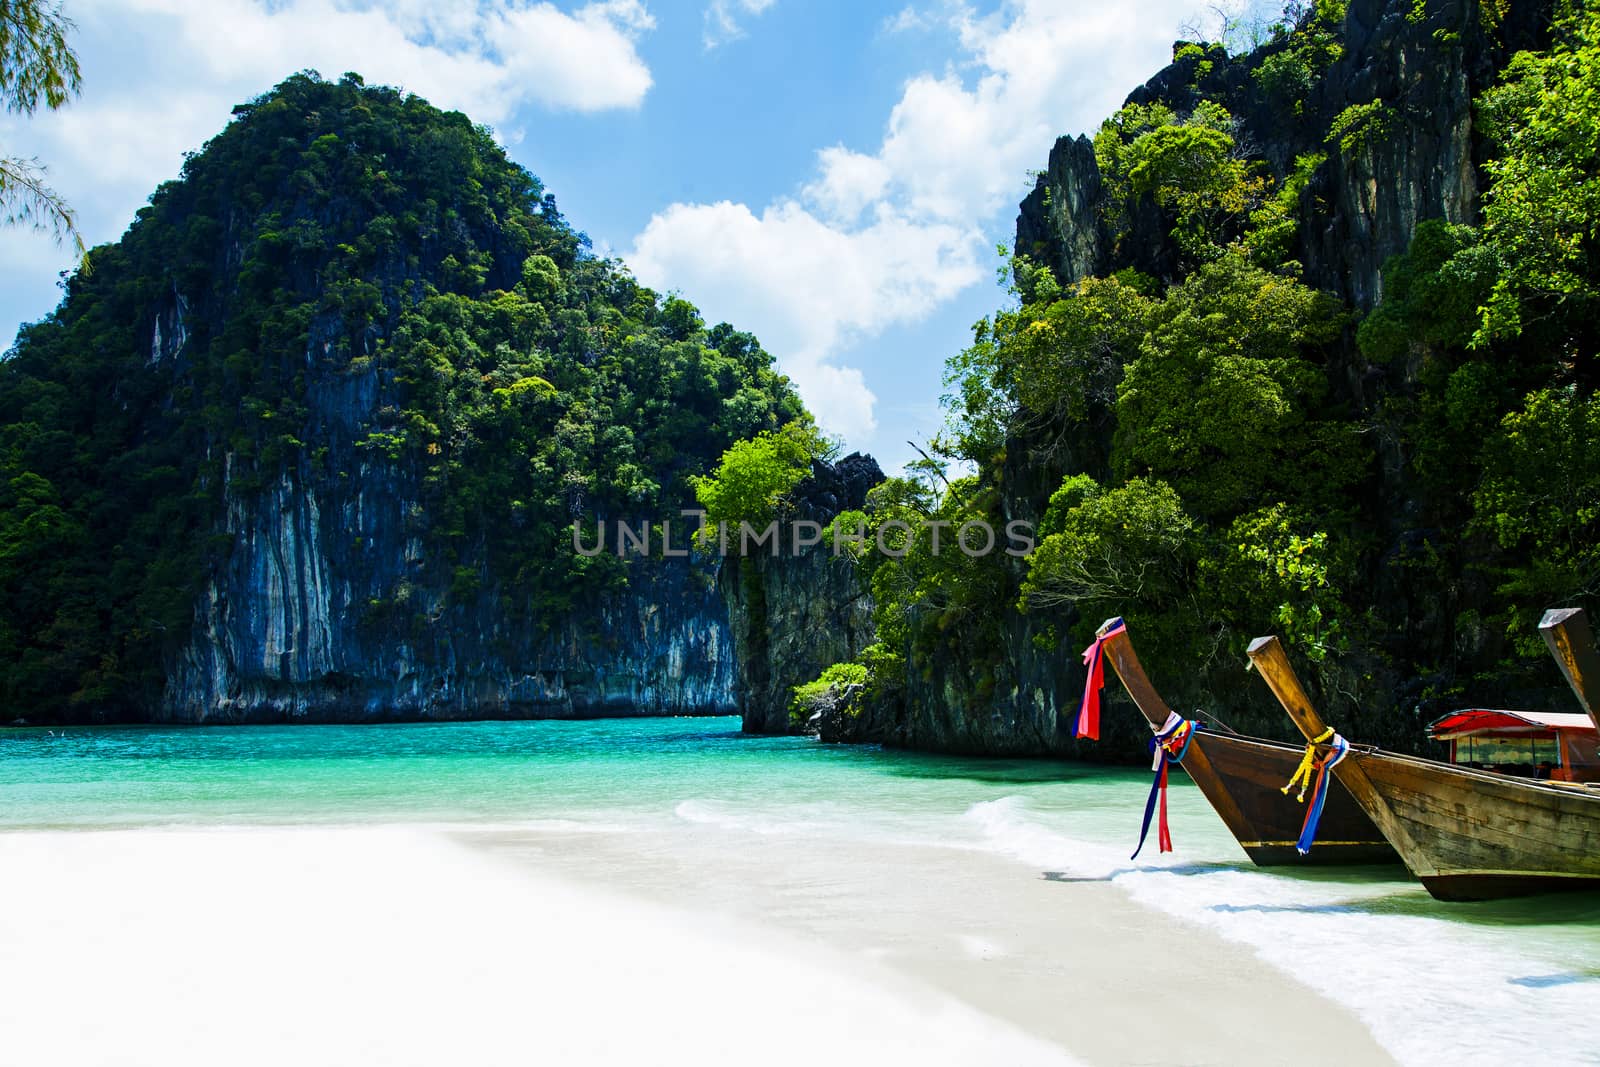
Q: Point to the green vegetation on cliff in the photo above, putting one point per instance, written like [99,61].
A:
[1215,448]
[753,479]
[355,246]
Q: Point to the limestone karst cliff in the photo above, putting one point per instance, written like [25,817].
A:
[1275,366]
[794,613]
[308,442]
[1423,63]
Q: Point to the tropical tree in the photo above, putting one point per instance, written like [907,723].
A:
[1544,203]
[37,67]
[754,478]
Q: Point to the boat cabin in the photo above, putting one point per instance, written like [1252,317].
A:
[1560,746]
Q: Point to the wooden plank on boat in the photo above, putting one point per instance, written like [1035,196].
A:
[1489,835]
[1253,771]
[1566,632]
[1468,834]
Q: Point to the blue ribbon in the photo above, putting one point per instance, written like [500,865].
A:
[1319,794]
[1160,743]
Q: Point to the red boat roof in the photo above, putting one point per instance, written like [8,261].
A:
[1491,721]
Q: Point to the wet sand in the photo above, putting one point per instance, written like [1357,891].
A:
[1074,963]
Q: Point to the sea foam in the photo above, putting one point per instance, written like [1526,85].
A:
[1426,976]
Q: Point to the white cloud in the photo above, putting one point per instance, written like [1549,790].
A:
[722,19]
[880,238]
[808,286]
[961,146]
[194,59]
[487,57]
[909,18]
[849,181]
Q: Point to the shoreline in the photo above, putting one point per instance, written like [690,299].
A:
[1077,963]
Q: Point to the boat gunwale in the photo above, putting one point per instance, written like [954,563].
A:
[1591,789]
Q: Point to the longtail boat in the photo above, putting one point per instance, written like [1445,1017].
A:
[1243,779]
[1467,833]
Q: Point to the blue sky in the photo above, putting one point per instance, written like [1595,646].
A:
[833,176]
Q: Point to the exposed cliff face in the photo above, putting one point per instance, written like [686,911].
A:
[1364,203]
[330,603]
[1018,716]
[307,442]
[1424,168]
[325,610]
[792,615]
[1059,223]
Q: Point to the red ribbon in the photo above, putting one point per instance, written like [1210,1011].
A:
[1156,800]
[1169,746]
[1163,834]
[1088,724]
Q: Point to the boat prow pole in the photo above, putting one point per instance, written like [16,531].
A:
[1126,663]
[1272,662]
[1566,631]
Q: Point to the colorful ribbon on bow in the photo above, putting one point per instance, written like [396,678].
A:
[1169,745]
[1313,774]
[1088,724]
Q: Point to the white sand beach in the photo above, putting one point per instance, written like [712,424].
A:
[420,946]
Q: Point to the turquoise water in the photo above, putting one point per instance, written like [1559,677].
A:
[602,770]
[1421,973]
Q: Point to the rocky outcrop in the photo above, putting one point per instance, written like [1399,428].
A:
[328,607]
[1059,223]
[660,648]
[325,412]
[1423,63]
[1423,165]
[793,614]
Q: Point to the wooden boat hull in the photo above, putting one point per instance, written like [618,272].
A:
[1473,835]
[1466,834]
[1243,778]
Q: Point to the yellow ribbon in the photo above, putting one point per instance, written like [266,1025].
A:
[1302,773]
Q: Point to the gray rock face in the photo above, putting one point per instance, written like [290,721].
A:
[1424,168]
[1021,714]
[1059,223]
[792,615]
[1365,203]
[791,619]
[327,608]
